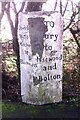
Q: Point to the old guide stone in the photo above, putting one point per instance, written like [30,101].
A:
[40,43]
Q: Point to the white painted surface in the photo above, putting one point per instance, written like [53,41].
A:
[49,69]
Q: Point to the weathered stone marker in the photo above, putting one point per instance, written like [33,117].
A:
[41,47]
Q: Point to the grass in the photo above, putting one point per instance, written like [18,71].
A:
[21,110]
[0,107]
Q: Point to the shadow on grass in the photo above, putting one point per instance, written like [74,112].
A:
[55,110]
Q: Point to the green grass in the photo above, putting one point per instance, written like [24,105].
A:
[21,110]
[0,107]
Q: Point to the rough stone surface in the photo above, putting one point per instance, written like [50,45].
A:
[41,57]
[37,31]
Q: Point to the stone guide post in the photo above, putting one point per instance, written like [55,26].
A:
[40,42]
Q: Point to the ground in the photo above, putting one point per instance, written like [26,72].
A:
[66,109]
